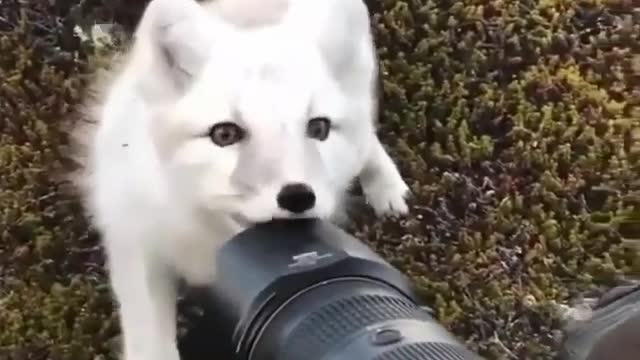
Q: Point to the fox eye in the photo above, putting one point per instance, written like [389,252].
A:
[318,128]
[226,133]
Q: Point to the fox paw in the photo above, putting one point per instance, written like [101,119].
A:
[387,199]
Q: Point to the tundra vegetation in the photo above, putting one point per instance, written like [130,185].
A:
[516,123]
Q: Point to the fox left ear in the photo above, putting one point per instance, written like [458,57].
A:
[179,35]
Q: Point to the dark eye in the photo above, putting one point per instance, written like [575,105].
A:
[225,134]
[318,128]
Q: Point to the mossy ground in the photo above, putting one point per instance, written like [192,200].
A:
[517,124]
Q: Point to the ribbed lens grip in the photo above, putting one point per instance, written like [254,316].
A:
[355,319]
[337,320]
[427,351]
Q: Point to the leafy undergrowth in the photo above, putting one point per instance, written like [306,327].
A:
[515,122]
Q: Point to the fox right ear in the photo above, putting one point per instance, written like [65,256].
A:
[179,35]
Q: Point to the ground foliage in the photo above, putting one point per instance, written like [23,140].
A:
[516,123]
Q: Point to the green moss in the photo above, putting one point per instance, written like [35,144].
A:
[70,322]
[517,124]
[51,304]
[513,120]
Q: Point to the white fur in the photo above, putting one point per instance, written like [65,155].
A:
[164,197]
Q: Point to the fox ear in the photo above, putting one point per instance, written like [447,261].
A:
[178,35]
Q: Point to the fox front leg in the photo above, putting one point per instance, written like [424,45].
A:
[146,295]
[383,186]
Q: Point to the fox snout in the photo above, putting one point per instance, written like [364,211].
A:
[296,198]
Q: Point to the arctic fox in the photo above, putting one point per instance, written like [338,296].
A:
[222,115]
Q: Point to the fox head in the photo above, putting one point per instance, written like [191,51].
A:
[260,122]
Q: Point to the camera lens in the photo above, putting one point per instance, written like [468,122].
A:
[307,290]
[354,318]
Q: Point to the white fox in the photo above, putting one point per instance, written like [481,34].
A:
[222,115]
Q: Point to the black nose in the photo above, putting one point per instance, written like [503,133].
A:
[296,197]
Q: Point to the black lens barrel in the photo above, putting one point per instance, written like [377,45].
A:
[353,318]
[307,290]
